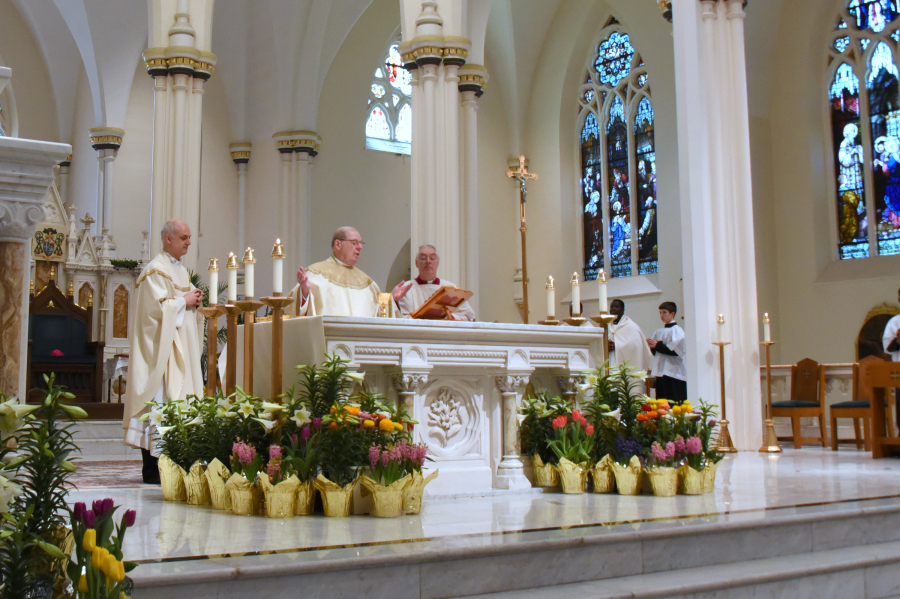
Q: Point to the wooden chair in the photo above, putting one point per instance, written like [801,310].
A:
[807,400]
[883,377]
[859,408]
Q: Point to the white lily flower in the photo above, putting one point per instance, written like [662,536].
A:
[156,418]
[301,417]
[246,409]
[272,407]
[641,375]
[693,416]
[356,376]
[162,430]
[591,379]
[225,402]
[267,424]
[195,421]
[617,414]
[9,491]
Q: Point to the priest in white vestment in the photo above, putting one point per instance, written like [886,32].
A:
[627,342]
[335,287]
[164,360]
[416,292]
[891,338]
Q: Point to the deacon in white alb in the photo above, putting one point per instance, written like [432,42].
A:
[335,287]
[416,292]
[891,339]
[627,342]
[164,361]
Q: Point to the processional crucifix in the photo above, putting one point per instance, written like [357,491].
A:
[522,175]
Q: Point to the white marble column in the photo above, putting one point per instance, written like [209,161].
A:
[106,141]
[472,78]
[407,385]
[64,167]
[159,185]
[297,148]
[511,472]
[717,209]
[240,154]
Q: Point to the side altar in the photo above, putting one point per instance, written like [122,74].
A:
[462,381]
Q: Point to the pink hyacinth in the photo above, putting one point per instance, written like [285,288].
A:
[274,451]
[374,455]
[670,450]
[658,453]
[679,444]
[693,445]
[245,453]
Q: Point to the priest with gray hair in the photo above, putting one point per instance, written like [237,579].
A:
[416,292]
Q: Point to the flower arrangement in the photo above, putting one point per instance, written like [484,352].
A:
[245,460]
[574,437]
[386,464]
[97,568]
[536,425]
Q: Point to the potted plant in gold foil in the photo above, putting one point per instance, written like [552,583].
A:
[387,480]
[572,445]
[536,431]
[245,466]
[278,484]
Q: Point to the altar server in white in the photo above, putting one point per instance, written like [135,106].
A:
[891,339]
[668,349]
[416,292]
[335,287]
[627,342]
[164,361]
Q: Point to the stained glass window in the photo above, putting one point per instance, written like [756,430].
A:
[866,155]
[389,121]
[618,161]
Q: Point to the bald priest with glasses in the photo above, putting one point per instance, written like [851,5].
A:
[335,287]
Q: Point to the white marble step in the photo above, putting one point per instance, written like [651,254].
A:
[102,440]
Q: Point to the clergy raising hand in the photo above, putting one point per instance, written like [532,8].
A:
[401,289]
[303,281]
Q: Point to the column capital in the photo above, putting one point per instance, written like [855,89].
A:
[67,162]
[106,138]
[240,152]
[473,78]
[306,142]
[184,60]
[408,382]
[510,383]
[26,172]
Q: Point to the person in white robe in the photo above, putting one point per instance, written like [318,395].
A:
[668,348]
[416,292]
[627,342]
[891,338]
[335,287]
[164,358]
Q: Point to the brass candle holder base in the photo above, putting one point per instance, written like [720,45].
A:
[549,321]
[770,444]
[603,319]
[770,439]
[249,307]
[575,321]
[231,312]
[212,341]
[724,443]
[277,304]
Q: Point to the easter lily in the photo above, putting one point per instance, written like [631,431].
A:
[616,414]
[356,376]
[301,417]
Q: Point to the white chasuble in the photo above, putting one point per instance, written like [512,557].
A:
[890,335]
[164,361]
[419,293]
[631,345]
[338,290]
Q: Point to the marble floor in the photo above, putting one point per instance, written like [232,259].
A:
[749,487]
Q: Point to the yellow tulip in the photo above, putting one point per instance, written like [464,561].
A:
[90,539]
[398,426]
[111,567]
[368,423]
[82,584]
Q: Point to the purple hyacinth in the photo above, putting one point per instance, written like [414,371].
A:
[625,448]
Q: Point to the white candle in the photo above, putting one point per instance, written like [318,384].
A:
[767,333]
[576,295]
[277,263]
[601,286]
[232,278]
[720,330]
[249,261]
[213,281]
[551,299]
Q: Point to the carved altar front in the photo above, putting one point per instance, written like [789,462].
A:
[461,380]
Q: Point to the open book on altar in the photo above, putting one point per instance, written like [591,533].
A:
[442,303]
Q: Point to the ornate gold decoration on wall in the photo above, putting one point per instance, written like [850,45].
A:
[85,295]
[120,312]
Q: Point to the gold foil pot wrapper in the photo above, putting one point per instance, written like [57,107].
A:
[690,481]
[387,501]
[664,481]
[603,477]
[216,475]
[195,486]
[415,490]
[629,479]
[280,498]
[305,499]
[336,499]
[171,477]
[573,477]
[545,475]
[245,496]
[709,477]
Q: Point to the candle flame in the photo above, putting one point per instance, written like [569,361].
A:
[721,319]
[766,318]
[213,264]
[575,279]
[550,283]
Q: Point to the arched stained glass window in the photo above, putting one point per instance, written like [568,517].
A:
[618,160]
[863,82]
[389,120]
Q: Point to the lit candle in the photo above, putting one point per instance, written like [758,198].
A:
[601,285]
[551,299]
[213,281]
[249,261]
[277,263]
[720,330]
[767,333]
[232,267]
[576,295]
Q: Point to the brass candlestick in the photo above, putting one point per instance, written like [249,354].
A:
[724,443]
[212,345]
[604,319]
[231,312]
[277,304]
[248,307]
[770,439]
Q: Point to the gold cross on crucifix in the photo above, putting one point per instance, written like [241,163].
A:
[521,175]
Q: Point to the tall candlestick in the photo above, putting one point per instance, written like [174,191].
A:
[576,295]
[551,299]
[249,261]
[720,330]
[213,281]
[601,285]
[277,263]
[232,267]
[767,333]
